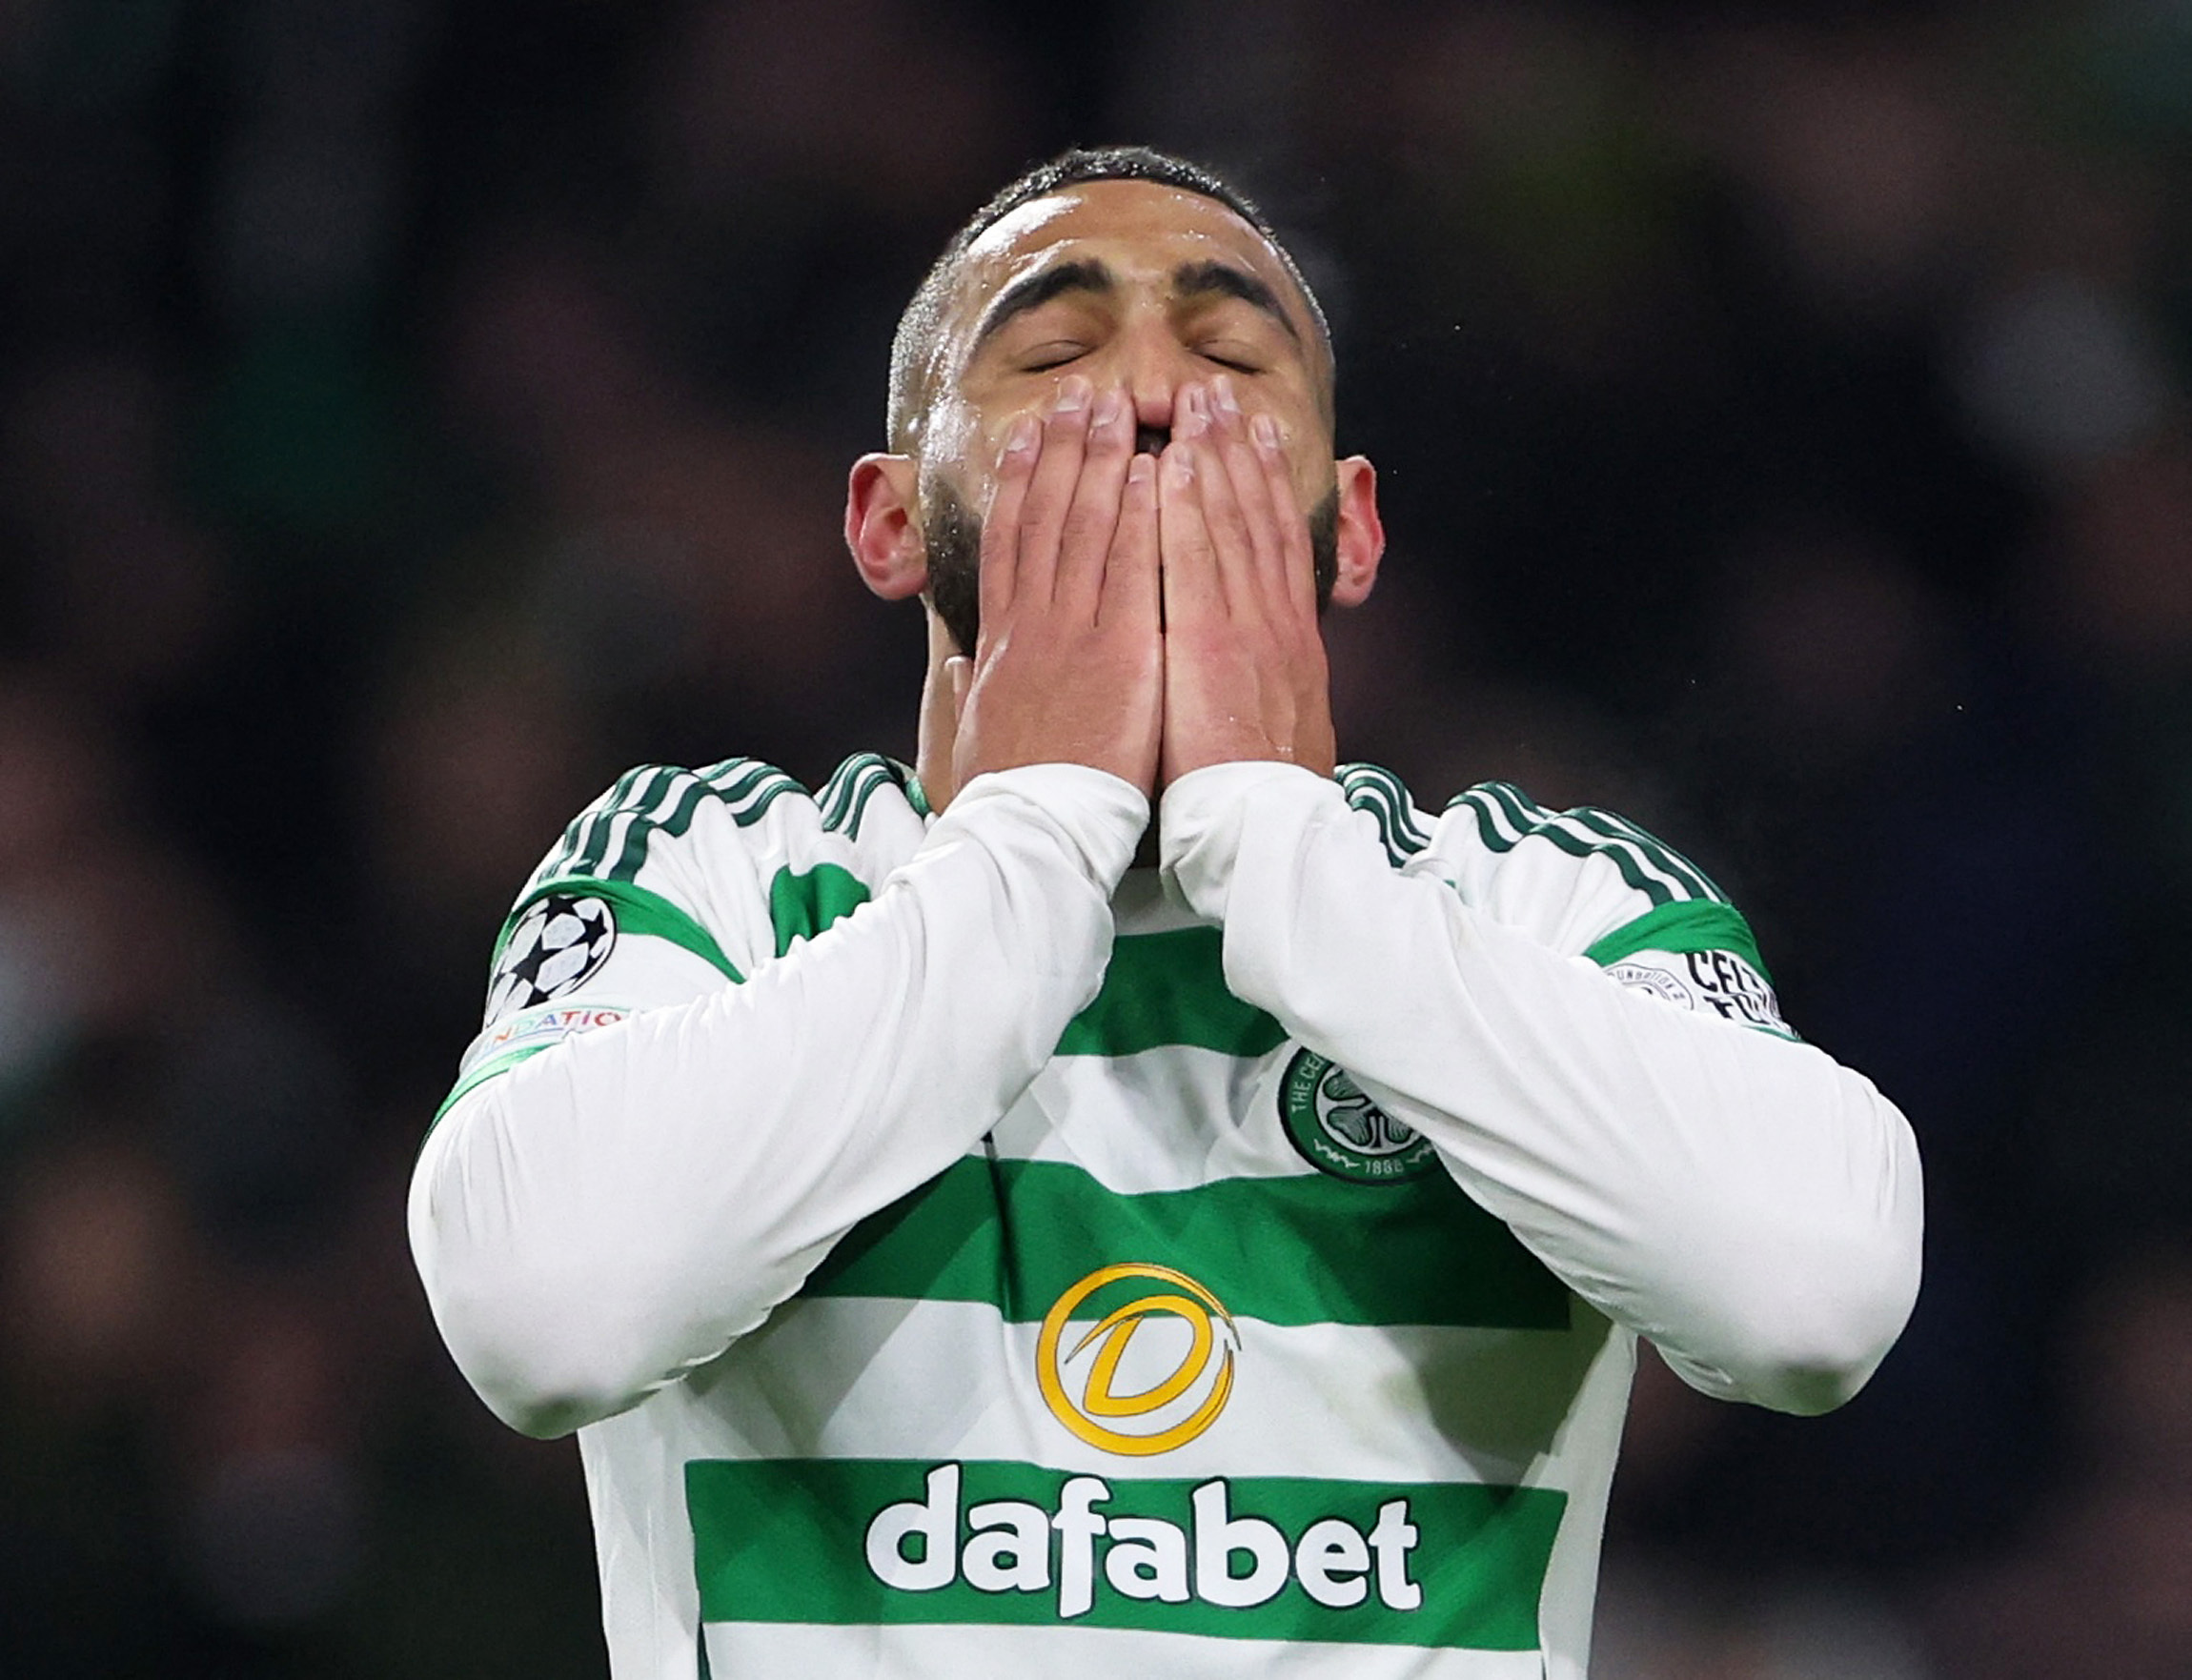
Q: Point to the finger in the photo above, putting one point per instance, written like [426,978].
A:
[1132,579]
[1257,559]
[1001,525]
[1189,571]
[1233,544]
[958,671]
[1050,490]
[1297,562]
[1084,543]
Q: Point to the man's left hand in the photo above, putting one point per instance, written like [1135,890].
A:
[1245,672]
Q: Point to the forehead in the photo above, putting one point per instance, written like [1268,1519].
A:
[1142,229]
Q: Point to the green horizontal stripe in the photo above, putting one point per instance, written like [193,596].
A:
[1169,989]
[1305,1250]
[778,1540]
[802,905]
[638,911]
[1691,925]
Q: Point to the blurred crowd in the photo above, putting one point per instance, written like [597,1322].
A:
[412,413]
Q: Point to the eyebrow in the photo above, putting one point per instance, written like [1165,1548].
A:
[1037,290]
[1194,279]
[1224,280]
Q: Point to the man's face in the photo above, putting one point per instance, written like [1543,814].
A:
[1131,285]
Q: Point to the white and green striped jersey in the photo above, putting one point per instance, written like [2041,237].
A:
[962,1256]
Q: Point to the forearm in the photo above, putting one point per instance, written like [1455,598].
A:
[622,1207]
[1745,1202]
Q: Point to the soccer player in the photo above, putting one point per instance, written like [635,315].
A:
[963,1252]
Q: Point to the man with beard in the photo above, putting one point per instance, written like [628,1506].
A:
[960,1253]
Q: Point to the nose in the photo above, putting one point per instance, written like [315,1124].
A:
[1153,364]
[1151,388]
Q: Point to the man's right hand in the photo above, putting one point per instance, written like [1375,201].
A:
[1069,666]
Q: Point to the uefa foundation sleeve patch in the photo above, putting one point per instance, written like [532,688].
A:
[559,942]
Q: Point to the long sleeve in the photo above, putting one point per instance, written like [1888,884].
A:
[1748,1203]
[613,1211]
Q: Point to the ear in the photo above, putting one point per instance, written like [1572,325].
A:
[880,529]
[1361,531]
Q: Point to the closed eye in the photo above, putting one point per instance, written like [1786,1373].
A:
[1045,357]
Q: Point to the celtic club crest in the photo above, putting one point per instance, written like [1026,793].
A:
[1340,1131]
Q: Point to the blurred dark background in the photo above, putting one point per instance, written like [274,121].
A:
[412,412]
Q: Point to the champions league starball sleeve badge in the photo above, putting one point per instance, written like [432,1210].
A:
[557,943]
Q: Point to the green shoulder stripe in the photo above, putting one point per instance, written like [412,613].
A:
[844,798]
[638,911]
[749,790]
[1381,794]
[578,835]
[1691,925]
[609,840]
[1506,816]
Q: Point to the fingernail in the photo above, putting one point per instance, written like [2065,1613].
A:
[1110,405]
[1266,431]
[1021,438]
[1073,396]
[1141,469]
[1179,467]
[1221,388]
[1193,416]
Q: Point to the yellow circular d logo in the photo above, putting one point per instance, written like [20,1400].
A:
[1170,1414]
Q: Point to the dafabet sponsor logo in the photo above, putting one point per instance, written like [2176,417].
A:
[1144,1371]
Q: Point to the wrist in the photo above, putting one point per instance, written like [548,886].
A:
[1205,814]
[1097,818]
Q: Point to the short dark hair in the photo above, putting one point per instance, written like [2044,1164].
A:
[914,347]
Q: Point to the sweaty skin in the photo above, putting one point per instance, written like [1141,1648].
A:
[1245,675]
[1070,663]
[1080,320]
